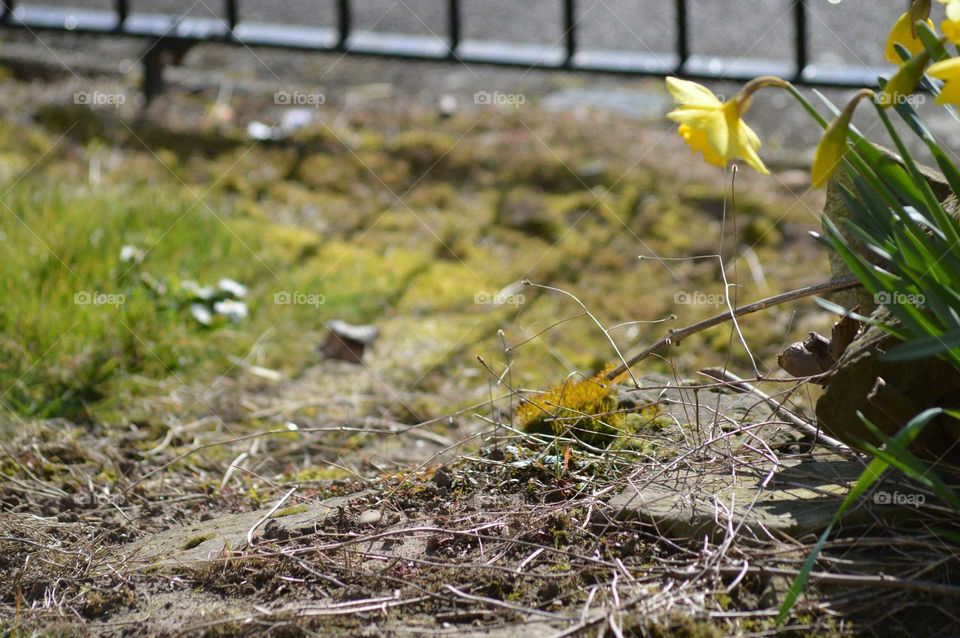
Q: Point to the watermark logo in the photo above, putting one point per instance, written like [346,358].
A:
[698,298]
[881,497]
[499,299]
[898,99]
[899,299]
[496,98]
[299,98]
[298,298]
[98,98]
[97,298]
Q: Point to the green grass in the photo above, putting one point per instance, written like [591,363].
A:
[59,357]
[61,245]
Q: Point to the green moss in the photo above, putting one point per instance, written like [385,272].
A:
[80,120]
[321,474]
[423,150]
[527,209]
[196,541]
[328,172]
[762,230]
[290,511]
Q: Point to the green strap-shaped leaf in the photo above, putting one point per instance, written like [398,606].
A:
[868,477]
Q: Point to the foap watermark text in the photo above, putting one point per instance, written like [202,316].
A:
[298,298]
[315,99]
[698,298]
[496,98]
[97,298]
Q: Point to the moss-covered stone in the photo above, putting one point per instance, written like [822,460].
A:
[583,408]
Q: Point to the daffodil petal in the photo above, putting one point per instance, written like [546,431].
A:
[951,29]
[711,121]
[953,10]
[950,93]
[747,145]
[697,140]
[902,34]
[946,69]
[690,93]
[695,116]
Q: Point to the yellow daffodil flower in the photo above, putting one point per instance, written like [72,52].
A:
[712,127]
[951,29]
[903,34]
[949,72]
[953,9]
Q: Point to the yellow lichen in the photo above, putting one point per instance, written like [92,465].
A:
[584,408]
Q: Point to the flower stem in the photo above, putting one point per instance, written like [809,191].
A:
[853,157]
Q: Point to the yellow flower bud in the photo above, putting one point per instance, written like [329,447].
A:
[833,145]
[830,151]
[904,81]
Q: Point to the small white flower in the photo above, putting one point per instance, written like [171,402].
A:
[232,287]
[260,131]
[295,119]
[131,253]
[196,290]
[235,311]
[201,313]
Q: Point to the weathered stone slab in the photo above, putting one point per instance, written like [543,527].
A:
[709,412]
[800,498]
[206,540]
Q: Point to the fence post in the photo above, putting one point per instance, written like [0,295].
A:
[683,40]
[122,8]
[232,15]
[453,27]
[570,30]
[800,35]
[343,23]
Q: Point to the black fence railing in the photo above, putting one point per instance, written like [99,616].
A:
[176,33]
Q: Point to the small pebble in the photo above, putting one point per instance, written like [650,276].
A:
[369,517]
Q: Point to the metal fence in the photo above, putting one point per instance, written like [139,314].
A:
[167,33]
